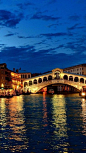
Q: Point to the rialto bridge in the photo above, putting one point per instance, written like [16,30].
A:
[55,77]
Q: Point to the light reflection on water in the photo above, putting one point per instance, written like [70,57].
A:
[83,114]
[43,123]
[45,110]
[60,121]
[13,132]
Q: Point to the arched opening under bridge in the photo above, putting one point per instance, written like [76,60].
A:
[60,88]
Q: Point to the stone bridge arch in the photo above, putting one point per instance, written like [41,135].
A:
[55,76]
[37,87]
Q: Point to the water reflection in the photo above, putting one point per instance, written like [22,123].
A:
[60,122]
[84,115]
[45,110]
[43,123]
[3,114]
[12,120]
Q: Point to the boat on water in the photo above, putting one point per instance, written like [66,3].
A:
[51,91]
[6,96]
[9,93]
[26,93]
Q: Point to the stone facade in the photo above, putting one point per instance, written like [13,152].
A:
[77,69]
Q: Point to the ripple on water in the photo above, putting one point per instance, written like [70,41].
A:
[43,123]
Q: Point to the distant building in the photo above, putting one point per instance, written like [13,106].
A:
[77,69]
[24,76]
[15,80]
[5,77]
[12,79]
[35,74]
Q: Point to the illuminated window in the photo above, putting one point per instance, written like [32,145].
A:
[30,83]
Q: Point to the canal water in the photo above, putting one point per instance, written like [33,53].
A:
[41,123]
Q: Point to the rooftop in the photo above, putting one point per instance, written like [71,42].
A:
[84,64]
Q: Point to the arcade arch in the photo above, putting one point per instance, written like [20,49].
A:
[25,84]
[44,79]
[35,81]
[65,77]
[76,79]
[70,78]
[81,80]
[49,77]
[57,76]
[39,80]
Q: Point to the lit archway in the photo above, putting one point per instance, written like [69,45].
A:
[70,78]
[35,81]
[49,77]
[39,80]
[76,79]
[81,80]
[44,79]
[65,77]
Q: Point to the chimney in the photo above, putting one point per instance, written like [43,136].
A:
[13,69]
[17,70]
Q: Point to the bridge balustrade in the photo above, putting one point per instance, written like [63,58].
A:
[65,77]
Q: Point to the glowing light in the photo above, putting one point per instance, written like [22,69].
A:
[45,89]
[2,85]
[83,93]
[61,75]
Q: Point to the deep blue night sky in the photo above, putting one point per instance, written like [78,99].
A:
[40,35]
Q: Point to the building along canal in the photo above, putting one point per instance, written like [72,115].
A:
[42,123]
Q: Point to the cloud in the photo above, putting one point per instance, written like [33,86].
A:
[32,60]
[82,40]
[60,46]
[23,37]
[24,5]
[53,25]
[75,27]
[2,45]
[28,3]
[74,18]
[48,35]
[60,34]
[16,51]
[10,34]
[9,19]
[39,15]
[52,1]
[76,47]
